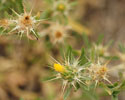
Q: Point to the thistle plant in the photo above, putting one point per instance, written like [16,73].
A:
[71,72]
[86,66]
[80,72]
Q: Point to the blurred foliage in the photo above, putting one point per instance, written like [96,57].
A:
[5,7]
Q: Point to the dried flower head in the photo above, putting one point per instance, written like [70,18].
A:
[57,32]
[25,23]
[98,72]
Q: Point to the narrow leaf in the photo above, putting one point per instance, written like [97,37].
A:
[67,92]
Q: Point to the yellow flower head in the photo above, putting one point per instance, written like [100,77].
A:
[59,68]
[61,7]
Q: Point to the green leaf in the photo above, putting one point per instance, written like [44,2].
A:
[83,60]
[69,54]
[112,86]
[122,48]
[122,85]
[110,43]
[111,57]
[93,55]
[19,4]
[86,40]
[77,86]
[100,39]
[49,78]
[46,14]
[115,89]
[114,98]
[115,93]
[89,92]
[67,92]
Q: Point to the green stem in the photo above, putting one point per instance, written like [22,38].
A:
[115,98]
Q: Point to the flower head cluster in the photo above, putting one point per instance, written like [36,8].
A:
[80,71]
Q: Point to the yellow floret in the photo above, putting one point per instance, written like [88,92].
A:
[61,7]
[59,68]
